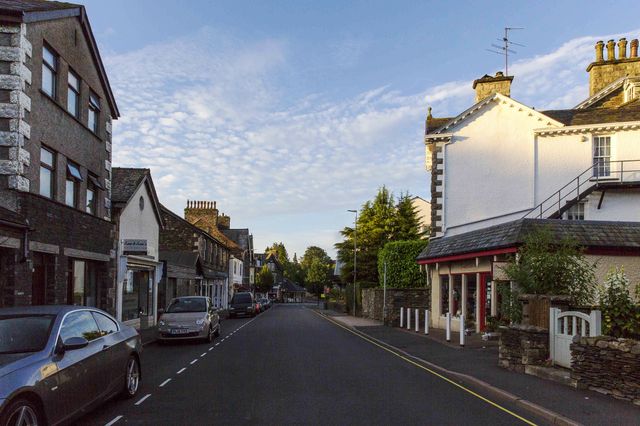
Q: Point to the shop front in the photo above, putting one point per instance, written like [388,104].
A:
[138,290]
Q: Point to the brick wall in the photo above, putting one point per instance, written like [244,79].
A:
[607,365]
[522,345]
[373,301]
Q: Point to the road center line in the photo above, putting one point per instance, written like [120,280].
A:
[203,354]
[181,370]
[194,361]
[211,348]
[446,379]
[141,400]
[165,382]
[217,343]
[115,419]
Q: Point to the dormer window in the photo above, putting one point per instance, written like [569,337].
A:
[49,71]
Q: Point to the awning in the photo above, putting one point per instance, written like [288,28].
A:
[96,182]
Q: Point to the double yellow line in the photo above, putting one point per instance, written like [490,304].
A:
[498,406]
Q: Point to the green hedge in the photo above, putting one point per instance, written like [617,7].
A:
[402,269]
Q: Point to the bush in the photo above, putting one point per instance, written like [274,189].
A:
[620,315]
[402,269]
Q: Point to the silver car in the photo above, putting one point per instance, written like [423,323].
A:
[191,317]
[57,362]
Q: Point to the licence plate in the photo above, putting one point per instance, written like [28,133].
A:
[179,331]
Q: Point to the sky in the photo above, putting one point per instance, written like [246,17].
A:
[290,113]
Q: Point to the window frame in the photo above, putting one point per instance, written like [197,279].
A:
[444,295]
[601,170]
[52,170]
[75,181]
[75,90]
[90,206]
[578,213]
[53,68]
[93,109]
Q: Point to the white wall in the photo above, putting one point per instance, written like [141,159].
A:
[136,224]
[616,206]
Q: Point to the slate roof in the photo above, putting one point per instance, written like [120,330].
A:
[290,286]
[588,233]
[238,236]
[34,5]
[579,117]
[435,123]
[124,183]
[12,218]
[181,258]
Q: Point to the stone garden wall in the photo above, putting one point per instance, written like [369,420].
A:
[372,302]
[522,345]
[607,365]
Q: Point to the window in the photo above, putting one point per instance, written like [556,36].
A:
[94,112]
[79,324]
[73,94]
[73,182]
[576,212]
[91,198]
[444,294]
[602,156]
[106,324]
[83,288]
[49,71]
[47,172]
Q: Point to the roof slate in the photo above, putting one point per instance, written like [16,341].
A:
[579,117]
[34,5]
[125,181]
[182,258]
[589,234]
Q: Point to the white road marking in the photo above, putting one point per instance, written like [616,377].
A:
[141,400]
[217,343]
[115,419]
[211,348]
[194,361]
[165,382]
[181,370]
[203,354]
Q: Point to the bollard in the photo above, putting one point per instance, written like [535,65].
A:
[408,318]
[461,330]
[417,320]
[426,321]
[448,326]
[401,317]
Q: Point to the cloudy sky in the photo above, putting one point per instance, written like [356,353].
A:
[288,113]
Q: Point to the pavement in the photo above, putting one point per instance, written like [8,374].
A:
[478,365]
[291,365]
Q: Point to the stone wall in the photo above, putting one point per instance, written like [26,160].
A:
[523,345]
[607,365]
[373,301]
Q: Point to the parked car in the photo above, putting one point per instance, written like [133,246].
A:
[242,304]
[57,362]
[266,303]
[190,317]
[259,308]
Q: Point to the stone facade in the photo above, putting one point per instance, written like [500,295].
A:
[603,71]
[521,346]
[373,302]
[607,365]
[487,85]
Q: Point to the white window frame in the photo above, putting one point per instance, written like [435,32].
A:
[53,68]
[602,170]
[73,93]
[576,212]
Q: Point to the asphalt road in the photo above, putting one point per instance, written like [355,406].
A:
[289,365]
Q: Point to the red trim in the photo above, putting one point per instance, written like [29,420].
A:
[468,255]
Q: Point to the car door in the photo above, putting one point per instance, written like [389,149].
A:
[115,351]
[80,373]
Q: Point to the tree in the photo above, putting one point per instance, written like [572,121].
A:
[294,271]
[620,315]
[279,251]
[546,265]
[264,280]
[316,265]
[402,269]
[407,222]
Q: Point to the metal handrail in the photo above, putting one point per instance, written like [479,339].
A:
[590,182]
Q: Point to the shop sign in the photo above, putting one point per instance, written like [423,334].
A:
[134,247]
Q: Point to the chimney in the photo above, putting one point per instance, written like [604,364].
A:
[203,214]
[487,85]
[224,221]
[603,72]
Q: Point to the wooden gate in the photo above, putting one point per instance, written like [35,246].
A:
[563,326]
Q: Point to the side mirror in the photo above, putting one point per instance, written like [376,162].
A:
[74,343]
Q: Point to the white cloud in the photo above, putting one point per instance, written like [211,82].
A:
[209,115]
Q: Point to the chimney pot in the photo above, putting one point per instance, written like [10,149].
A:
[499,74]
[622,48]
[214,204]
[611,50]
[599,51]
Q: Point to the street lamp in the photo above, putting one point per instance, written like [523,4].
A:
[355,258]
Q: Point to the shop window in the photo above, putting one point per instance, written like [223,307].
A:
[457,295]
[444,294]
[136,295]
[84,286]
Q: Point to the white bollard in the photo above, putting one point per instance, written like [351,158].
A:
[461,330]
[408,318]
[417,320]
[448,326]
[401,317]
[426,321]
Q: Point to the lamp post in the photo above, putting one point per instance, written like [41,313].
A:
[355,257]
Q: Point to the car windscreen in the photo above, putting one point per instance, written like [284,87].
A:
[24,333]
[187,305]
[241,298]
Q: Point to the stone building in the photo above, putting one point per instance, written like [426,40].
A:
[56,107]
[501,169]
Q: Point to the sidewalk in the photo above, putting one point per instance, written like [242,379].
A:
[481,363]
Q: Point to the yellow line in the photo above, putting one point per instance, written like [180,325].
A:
[428,370]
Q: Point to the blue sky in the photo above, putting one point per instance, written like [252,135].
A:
[290,113]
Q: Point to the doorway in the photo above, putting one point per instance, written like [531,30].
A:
[43,279]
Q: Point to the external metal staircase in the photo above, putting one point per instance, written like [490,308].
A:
[600,176]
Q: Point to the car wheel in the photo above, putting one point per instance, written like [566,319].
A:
[131,378]
[21,412]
